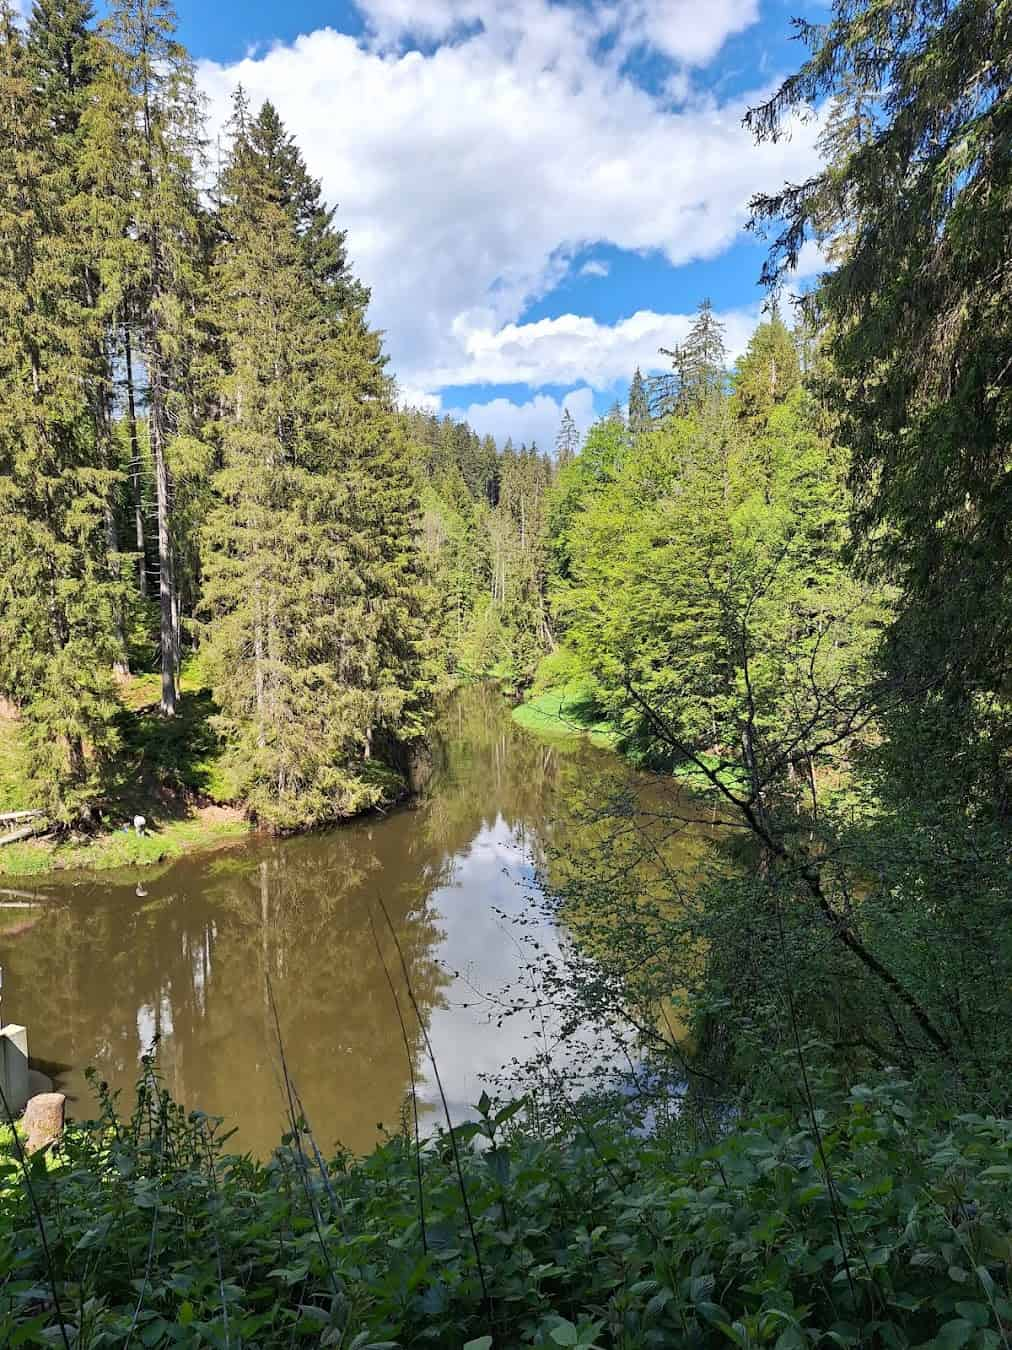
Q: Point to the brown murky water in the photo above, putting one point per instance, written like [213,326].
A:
[107,963]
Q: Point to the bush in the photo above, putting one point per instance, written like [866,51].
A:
[591,1237]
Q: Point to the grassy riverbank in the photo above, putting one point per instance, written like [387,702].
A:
[171,772]
[571,712]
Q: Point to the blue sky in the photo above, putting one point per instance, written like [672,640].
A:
[539,194]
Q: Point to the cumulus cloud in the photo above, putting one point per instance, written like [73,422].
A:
[471,174]
[573,347]
[534,422]
[594,268]
[811,261]
[687,30]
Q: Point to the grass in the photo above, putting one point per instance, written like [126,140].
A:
[570,713]
[171,771]
[123,848]
[565,714]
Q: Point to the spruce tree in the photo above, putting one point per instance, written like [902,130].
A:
[768,372]
[143,143]
[567,442]
[61,53]
[703,360]
[639,406]
[314,641]
[58,600]
[916,322]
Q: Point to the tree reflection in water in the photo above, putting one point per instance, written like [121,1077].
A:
[105,970]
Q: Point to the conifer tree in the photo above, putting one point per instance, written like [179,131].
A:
[58,599]
[916,321]
[310,561]
[144,133]
[567,442]
[639,406]
[61,53]
[703,360]
[768,372]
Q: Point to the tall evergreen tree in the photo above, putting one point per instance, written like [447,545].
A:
[702,360]
[58,599]
[768,372]
[567,442]
[311,564]
[62,55]
[144,142]
[917,325]
[639,405]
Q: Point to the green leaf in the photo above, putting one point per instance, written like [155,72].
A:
[479,1343]
[565,1333]
[977,1313]
[954,1334]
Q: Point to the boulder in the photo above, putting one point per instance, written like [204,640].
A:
[43,1120]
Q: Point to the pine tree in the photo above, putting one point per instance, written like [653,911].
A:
[639,406]
[58,599]
[703,360]
[567,442]
[61,53]
[314,640]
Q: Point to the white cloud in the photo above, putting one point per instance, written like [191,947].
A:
[536,421]
[689,31]
[811,261]
[470,176]
[573,347]
[594,268]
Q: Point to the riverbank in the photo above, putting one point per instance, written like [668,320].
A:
[175,773]
[570,712]
[170,772]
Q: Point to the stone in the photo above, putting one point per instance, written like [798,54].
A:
[43,1120]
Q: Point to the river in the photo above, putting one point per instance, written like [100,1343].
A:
[191,953]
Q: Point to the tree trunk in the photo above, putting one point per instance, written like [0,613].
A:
[167,629]
[135,468]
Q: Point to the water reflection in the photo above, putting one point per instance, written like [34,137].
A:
[186,955]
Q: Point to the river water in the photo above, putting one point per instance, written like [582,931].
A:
[191,953]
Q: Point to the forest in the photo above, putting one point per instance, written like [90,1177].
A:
[233,568]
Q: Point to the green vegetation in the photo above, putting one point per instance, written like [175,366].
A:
[141,385]
[791,580]
[582,1237]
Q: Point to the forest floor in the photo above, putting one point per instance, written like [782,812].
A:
[169,771]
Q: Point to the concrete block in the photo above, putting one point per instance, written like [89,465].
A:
[14,1068]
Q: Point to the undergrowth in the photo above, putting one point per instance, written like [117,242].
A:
[589,1237]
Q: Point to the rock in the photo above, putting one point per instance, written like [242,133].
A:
[43,1120]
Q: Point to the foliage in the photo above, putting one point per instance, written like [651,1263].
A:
[585,1238]
[915,206]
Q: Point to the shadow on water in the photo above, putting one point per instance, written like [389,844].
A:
[185,955]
